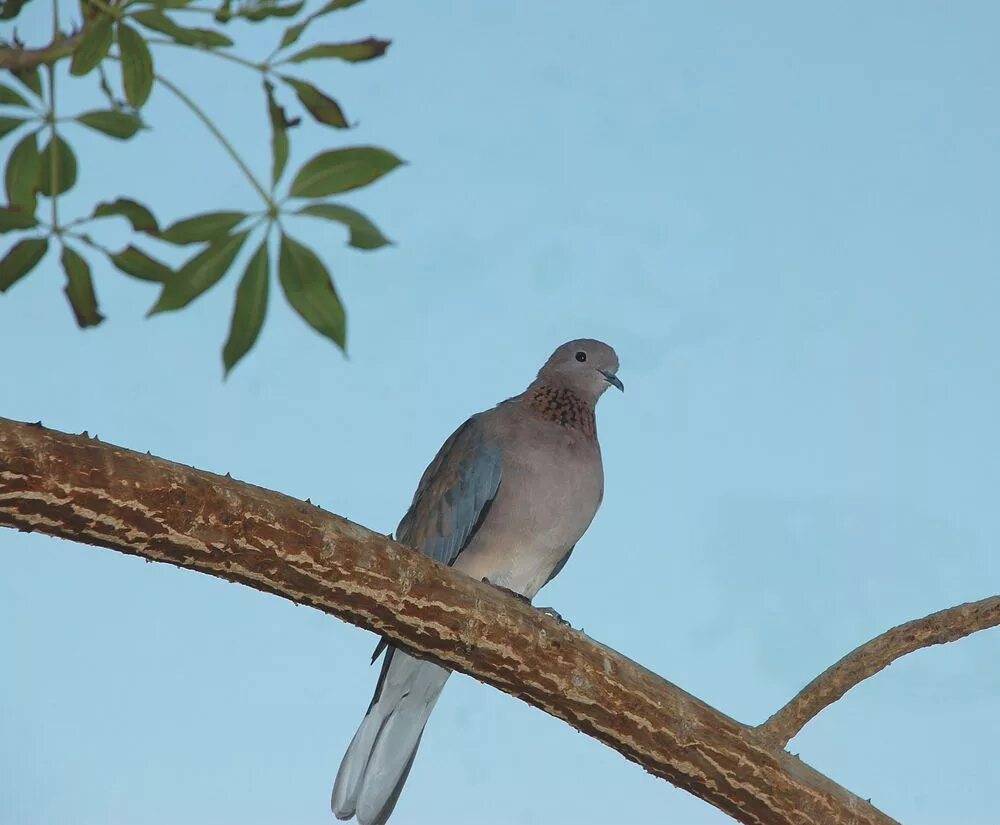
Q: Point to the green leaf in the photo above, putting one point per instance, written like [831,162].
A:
[94,46]
[293,33]
[65,168]
[264,10]
[199,228]
[249,310]
[30,78]
[20,260]
[310,291]
[341,170]
[354,52]
[10,97]
[9,124]
[137,65]
[12,219]
[133,261]
[159,22]
[334,5]
[9,9]
[322,108]
[199,274]
[21,177]
[80,289]
[139,216]
[364,234]
[279,133]
[121,125]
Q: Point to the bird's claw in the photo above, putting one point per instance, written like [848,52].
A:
[555,614]
[548,611]
[519,596]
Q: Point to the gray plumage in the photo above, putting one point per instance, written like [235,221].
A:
[506,499]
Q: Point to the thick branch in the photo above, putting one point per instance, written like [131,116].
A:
[80,489]
[936,629]
[18,58]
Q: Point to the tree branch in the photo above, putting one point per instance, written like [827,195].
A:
[80,489]
[863,662]
[17,58]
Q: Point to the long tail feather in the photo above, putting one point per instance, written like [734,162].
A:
[381,753]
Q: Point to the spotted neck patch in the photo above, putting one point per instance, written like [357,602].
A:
[563,407]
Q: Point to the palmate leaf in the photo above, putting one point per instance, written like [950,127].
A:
[137,65]
[308,288]
[293,33]
[135,213]
[10,97]
[323,109]
[20,260]
[199,274]
[121,125]
[80,289]
[9,124]
[30,78]
[12,218]
[342,170]
[201,228]
[9,9]
[133,261]
[22,174]
[364,234]
[65,162]
[94,47]
[249,309]
[159,22]
[279,133]
[261,10]
[353,52]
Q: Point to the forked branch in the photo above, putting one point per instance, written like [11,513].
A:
[864,662]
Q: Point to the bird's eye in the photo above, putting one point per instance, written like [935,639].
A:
[581,357]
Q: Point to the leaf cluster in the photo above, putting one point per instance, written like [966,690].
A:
[117,39]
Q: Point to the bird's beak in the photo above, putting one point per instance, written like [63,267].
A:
[612,379]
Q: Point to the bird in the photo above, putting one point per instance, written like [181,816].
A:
[505,500]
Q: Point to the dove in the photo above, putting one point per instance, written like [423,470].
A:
[505,501]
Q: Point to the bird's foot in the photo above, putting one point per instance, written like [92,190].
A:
[548,611]
[555,614]
[519,596]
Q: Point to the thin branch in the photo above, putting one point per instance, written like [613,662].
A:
[54,136]
[232,58]
[936,629]
[200,113]
[77,488]
[17,58]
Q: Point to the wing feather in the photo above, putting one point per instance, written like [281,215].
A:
[453,494]
[453,497]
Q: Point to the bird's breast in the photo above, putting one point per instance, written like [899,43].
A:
[546,500]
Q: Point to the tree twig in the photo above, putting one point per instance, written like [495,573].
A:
[17,58]
[80,489]
[230,149]
[863,662]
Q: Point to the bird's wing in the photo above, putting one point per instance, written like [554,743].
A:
[454,494]
[453,498]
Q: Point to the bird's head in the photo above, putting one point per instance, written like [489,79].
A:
[585,366]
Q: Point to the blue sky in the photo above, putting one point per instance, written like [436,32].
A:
[784,219]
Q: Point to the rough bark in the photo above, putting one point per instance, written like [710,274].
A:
[80,489]
[18,58]
[863,662]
